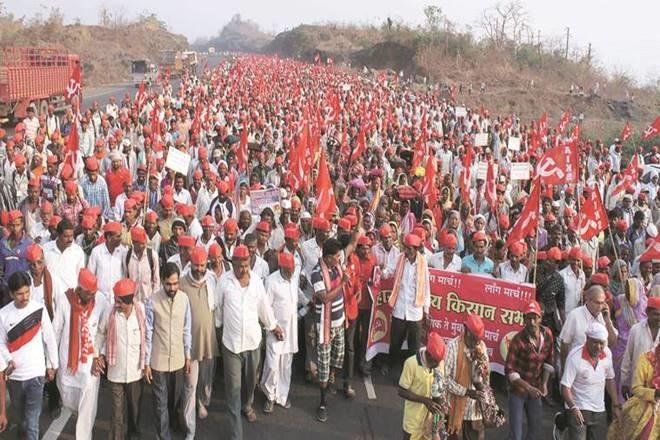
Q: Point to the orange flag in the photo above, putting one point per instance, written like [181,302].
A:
[326,205]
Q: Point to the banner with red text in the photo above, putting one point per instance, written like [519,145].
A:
[453,295]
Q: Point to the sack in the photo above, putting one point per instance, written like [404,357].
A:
[493,416]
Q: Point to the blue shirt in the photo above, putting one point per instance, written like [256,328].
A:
[97,194]
[487,266]
[13,260]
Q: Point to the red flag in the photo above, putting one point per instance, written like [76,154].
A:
[543,124]
[529,217]
[593,217]
[626,132]
[325,196]
[242,154]
[629,176]
[563,122]
[652,130]
[430,189]
[490,193]
[75,84]
[72,145]
[140,97]
[361,144]
[466,173]
[558,165]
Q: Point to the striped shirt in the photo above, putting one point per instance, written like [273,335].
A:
[96,194]
[337,315]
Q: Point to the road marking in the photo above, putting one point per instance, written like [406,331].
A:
[371,392]
[57,425]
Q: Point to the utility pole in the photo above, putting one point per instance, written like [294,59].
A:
[568,33]
[589,55]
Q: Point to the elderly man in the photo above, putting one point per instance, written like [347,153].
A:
[447,258]
[121,342]
[513,270]
[64,258]
[465,380]
[141,265]
[242,303]
[107,260]
[410,299]
[117,176]
[28,345]
[594,309]
[529,364]
[283,296]
[385,251]
[76,323]
[200,286]
[640,340]
[168,349]
[588,373]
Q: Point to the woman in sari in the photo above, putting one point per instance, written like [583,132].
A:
[640,419]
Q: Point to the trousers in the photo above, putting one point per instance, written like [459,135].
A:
[404,330]
[594,427]
[518,408]
[166,391]
[26,398]
[240,374]
[82,400]
[310,343]
[276,376]
[129,426]
[197,389]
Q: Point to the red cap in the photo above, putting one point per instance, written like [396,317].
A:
[353,219]
[479,236]
[344,223]
[187,210]
[321,224]
[129,204]
[554,254]
[517,249]
[186,241]
[541,255]
[295,202]
[653,302]
[92,164]
[34,182]
[621,225]
[19,159]
[199,255]
[138,196]
[412,240]
[533,307]
[435,346]
[241,252]
[575,253]
[364,241]
[138,235]
[87,280]
[475,324]
[449,241]
[292,232]
[600,278]
[385,231]
[420,232]
[587,261]
[71,187]
[230,225]
[214,250]
[151,216]
[88,222]
[14,215]
[603,262]
[33,253]
[46,207]
[124,287]
[550,217]
[197,174]
[223,187]
[52,159]
[263,226]
[207,220]
[286,260]
[167,201]
[54,221]
[112,227]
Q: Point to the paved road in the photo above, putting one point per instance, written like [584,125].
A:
[359,419]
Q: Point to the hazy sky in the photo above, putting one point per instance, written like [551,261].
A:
[624,36]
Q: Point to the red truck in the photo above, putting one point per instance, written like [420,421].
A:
[35,76]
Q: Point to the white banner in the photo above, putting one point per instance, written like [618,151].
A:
[520,170]
[514,144]
[461,111]
[177,161]
[481,139]
[265,198]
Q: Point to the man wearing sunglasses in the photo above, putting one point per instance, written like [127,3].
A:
[121,342]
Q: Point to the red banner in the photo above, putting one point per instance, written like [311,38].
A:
[453,295]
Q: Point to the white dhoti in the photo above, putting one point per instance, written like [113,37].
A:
[82,400]
[276,376]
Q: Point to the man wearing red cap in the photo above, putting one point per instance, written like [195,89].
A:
[64,258]
[222,207]
[141,265]
[95,189]
[641,339]
[31,204]
[229,239]
[200,286]
[283,297]
[29,348]
[574,280]
[385,251]
[72,205]
[121,353]
[168,348]
[153,234]
[257,264]
[529,364]
[447,259]
[423,387]
[166,216]
[39,232]
[12,249]
[466,367]
[513,269]
[478,262]
[242,304]
[550,291]
[20,177]
[76,323]
[107,259]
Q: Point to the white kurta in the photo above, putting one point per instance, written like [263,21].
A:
[79,391]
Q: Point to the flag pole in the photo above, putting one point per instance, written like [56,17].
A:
[536,252]
[616,256]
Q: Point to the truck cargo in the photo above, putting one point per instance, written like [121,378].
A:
[36,76]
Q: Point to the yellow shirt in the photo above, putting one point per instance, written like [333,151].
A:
[418,380]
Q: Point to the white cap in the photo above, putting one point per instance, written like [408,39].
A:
[305,215]
[652,230]
[285,204]
[596,330]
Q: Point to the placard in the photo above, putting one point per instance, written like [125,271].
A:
[520,170]
[514,143]
[178,161]
[461,112]
[265,198]
[481,139]
[482,170]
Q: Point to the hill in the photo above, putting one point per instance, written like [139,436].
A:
[105,51]
[238,36]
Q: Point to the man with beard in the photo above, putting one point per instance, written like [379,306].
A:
[244,224]
[229,239]
[107,260]
[385,251]
[170,247]
[513,270]
[222,208]
[64,258]
[550,291]
[199,284]
[257,264]
[95,189]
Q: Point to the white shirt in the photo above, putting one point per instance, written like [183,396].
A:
[639,342]
[31,358]
[239,311]
[437,261]
[573,331]
[126,368]
[283,297]
[261,268]
[386,259]
[405,303]
[587,383]
[573,286]
[37,292]
[182,197]
[64,265]
[108,268]
[507,272]
[195,229]
[311,253]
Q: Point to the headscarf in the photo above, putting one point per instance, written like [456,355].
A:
[616,285]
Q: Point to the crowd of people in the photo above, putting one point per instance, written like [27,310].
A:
[118,267]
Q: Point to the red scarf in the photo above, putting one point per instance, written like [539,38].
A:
[80,341]
[111,345]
